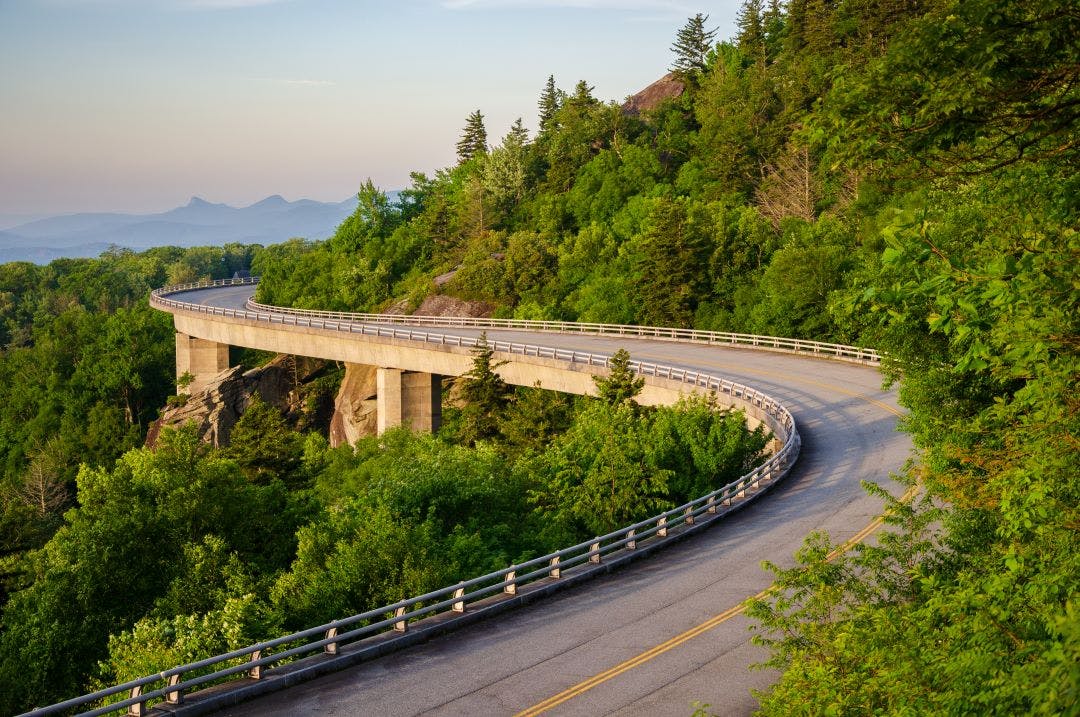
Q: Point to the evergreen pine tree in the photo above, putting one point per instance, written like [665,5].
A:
[583,96]
[751,23]
[473,139]
[692,45]
[484,392]
[670,276]
[621,384]
[533,419]
[517,137]
[549,104]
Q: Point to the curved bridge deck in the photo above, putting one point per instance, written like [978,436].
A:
[651,638]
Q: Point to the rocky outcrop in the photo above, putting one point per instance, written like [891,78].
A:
[442,305]
[667,87]
[220,402]
[355,413]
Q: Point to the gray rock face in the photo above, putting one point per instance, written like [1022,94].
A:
[217,406]
[354,408]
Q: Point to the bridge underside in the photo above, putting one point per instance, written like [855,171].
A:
[410,373]
[411,398]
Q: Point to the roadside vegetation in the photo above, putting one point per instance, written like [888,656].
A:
[889,173]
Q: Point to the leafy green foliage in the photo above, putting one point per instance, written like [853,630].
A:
[897,174]
[262,444]
[108,564]
[616,465]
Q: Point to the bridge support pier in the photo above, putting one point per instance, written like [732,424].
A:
[408,398]
[201,358]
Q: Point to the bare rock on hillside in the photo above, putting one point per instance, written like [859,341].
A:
[667,87]
[442,305]
[355,413]
[218,405]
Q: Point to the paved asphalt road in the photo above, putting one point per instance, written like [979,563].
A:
[519,660]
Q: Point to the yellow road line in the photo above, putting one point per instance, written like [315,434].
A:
[653,652]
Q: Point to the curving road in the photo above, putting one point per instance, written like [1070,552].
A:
[659,635]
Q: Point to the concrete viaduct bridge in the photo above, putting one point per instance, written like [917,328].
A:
[656,636]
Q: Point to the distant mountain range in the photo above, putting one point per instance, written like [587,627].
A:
[200,223]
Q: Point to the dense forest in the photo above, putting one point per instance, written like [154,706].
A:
[891,173]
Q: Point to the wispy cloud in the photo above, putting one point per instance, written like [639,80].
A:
[583,4]
[172,4]
[298,82]
[312,83]
[224,4]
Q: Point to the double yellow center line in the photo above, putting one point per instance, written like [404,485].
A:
[653,652]
[586,685]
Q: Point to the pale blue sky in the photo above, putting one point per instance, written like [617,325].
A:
[136,105]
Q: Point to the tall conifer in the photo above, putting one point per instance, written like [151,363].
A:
[549,104]
[692,45]
[474,138]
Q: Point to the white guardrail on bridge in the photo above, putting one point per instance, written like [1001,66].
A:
[642,537]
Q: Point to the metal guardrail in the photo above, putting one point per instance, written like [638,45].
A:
[170,685]
[818,348]
[840,352]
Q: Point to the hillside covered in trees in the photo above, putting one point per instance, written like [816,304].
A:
[893,173]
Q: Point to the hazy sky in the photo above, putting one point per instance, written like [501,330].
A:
[137,105]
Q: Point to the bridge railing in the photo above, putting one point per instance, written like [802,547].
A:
[840,352]
[170,685]
[248,662]
[775,343]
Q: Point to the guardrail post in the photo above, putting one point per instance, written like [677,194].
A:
[711,503]
[688,515]
[594,549]
[174,697]
[662,526]
[139,708]
[401,625]
[631,544]
[255,672]
[554,571]
[331,648]
[511,587]
[460,605]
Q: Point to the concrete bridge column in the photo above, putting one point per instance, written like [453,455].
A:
[201,358]
[410,398]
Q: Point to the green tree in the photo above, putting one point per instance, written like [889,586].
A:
[484,392]
[751,23]
[692,46]
[969,86]
[505,169]
[262,444]
[622,383]
[533,418]
[473,140]
[131,523]
[597,476]
[550,100]
[668,278]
